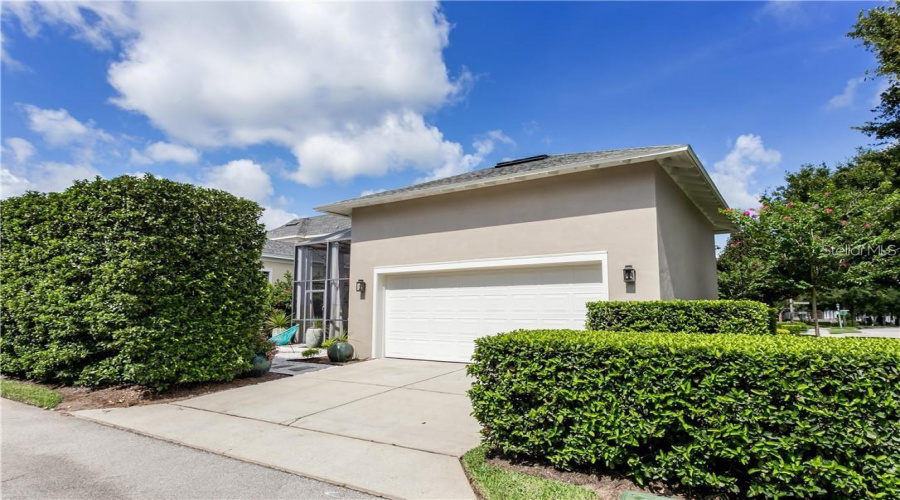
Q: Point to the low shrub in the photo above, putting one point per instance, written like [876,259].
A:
[758,416]
[131,280]
[793,327]
[782,331]
[689,316]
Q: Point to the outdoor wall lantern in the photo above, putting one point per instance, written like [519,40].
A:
[629,274]
[360,286]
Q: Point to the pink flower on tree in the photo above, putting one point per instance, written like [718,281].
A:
[788,219]
[746,213]
[827,194]
[790,203]
[828,210]
[843,223]
[868,225]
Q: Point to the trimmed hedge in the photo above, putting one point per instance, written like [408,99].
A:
[758,416]
[794,328]
[689,316]
[131,280]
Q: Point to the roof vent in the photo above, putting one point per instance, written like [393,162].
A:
[520,160]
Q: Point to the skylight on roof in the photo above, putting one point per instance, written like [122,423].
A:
[520,160]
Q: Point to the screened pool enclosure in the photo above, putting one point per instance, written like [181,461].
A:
[322,285]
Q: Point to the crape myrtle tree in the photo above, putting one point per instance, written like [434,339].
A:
[833,231]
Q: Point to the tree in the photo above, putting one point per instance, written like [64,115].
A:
[879,31]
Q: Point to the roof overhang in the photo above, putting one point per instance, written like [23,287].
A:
[679,162]
[277,257]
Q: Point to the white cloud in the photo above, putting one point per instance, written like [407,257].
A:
[7,60]
[345,86]
[242,178]
[733,175]
[108,19]
[247,179]
[273,217]
[59,128]
[11,184]
[21,150]
[847,97]
[161,152]
[44,177]
[367,192]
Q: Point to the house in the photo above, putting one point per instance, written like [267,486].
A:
[525,244]
[306,228]
[277,259]
[278,252]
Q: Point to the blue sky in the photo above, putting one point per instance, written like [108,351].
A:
[298,105]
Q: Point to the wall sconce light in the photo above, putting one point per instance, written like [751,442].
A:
[360,286]
[629,274]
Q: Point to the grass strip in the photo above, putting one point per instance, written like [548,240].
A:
[494,483]
[29,393]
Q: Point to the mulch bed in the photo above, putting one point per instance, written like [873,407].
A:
[123,396]
[607,485]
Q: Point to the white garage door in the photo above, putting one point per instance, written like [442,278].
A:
[438,316]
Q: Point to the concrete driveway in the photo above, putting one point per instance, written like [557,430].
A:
[395,428]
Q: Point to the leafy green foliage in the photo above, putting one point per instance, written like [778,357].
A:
[139,280]
[277,319]
[308,353]
[879,31]
[793,327]
[29,393]
[758,416]
[690,316]
[280,293]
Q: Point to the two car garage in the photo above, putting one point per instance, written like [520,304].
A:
[437,315]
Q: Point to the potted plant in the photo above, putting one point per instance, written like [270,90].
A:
[262,362]
[277,322]
[340,350]
[314,335]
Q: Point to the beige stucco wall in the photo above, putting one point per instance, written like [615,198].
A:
[611,209]
[278,267]
[687,249]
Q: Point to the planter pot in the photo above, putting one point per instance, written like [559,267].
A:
[259,365]
[340,352]
[276,331]
[314,337]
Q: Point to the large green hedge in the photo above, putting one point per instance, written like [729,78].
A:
[138,280]
[690,316]
[759,416]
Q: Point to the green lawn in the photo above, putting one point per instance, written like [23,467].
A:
[843,330]
[495,483]
[29,393]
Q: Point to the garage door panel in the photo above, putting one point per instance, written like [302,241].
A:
[438,316]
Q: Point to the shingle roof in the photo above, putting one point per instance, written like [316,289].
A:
[679,161]
[311,226]
[530,166]
[279,248]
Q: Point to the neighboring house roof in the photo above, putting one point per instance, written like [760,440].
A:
[677,160]
[278,249]
[306,227]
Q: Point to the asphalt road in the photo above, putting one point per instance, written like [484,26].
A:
[45,454]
